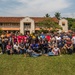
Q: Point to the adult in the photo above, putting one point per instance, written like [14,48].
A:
[16,48]
[22,47]
[68,46]
[9,48]
[73,41]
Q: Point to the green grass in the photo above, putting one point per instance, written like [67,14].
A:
[19,65]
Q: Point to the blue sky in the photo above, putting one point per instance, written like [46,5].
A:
[37,7]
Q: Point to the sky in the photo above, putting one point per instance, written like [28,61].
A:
[37,8]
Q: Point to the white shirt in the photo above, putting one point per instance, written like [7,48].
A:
[16,46]
[55,51]
[58,38]
[73,40]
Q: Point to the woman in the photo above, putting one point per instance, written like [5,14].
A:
[9,48]
[16,48]
[55,51]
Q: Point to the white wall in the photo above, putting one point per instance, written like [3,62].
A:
[65,28]
[27,20]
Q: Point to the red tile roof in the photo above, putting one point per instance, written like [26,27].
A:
[10,19]
[18,19]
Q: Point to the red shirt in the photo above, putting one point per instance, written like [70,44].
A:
[24,38]
[48,37]
[19,38]
[69,43]
[14,39]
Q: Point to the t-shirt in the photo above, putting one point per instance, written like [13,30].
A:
[19,38]
[69,43]
[24,38]
[21,45]
[73,39]
[58,38]
[42,36]
[27,45]
[48,37]
[16,46]
[9,47]
[55,51]
[15,39]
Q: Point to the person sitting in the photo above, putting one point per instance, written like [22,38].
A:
[45,47]
[32,53]
[55,51]
[16,48]
[9,48]
[68,46]
[22,47]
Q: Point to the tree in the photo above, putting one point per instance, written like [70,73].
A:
[48,24]
[73,26]
[47,15]
[57,15]
[71,23]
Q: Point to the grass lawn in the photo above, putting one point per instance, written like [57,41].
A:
[19,65]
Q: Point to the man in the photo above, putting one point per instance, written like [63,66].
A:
[42,36]
[22,47]
[55,51]
[73,41]
[68,46]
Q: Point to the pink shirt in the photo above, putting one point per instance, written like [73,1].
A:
[9,47]
[15,39]
[24,38]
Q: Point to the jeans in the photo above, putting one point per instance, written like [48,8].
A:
[35,55]
[22,51]
[50,54]
[3,48]
[69,51]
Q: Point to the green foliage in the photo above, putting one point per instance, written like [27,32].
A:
[71,23]
[48,23]
[57,15]
[73,26]
[47,15]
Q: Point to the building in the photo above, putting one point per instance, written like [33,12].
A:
[26,24]
[64,24]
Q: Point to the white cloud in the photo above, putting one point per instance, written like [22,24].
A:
[38,7]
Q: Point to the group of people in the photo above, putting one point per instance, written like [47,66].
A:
[49,44]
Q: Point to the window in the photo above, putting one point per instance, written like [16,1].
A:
[63,23]
[1,24]
[27,25]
